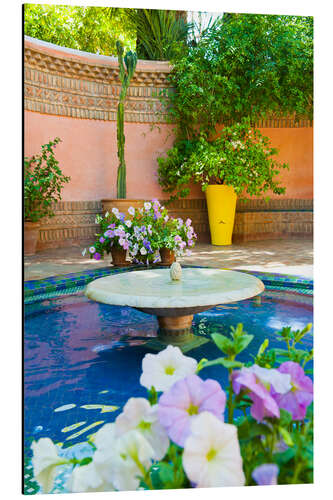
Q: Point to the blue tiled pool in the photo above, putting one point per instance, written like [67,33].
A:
[83,359]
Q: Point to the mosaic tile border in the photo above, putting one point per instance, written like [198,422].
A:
[72,283]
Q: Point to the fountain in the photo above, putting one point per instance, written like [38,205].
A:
[174,296]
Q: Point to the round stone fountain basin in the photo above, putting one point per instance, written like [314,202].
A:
[174,302]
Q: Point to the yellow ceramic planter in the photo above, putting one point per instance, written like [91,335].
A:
[221,204]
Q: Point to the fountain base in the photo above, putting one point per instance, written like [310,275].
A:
[185,342]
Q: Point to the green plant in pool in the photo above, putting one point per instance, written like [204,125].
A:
[191,432]
[240,157]
[43,182]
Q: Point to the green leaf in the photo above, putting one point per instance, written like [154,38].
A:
[241,343]
[223,343]
[286,436]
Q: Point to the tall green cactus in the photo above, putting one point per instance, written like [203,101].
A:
[126,72]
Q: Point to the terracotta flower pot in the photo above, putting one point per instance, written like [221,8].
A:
[167,256]
[122,205]
[119,257]
[31,232]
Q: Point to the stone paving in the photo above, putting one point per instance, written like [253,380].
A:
[292,256]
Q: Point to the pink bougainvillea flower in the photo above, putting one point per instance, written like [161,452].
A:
[300,396]
[258,381]
[185,400]
[266,474]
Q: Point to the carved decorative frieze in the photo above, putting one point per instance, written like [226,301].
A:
[66,82]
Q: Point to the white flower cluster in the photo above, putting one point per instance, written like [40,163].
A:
[126,449]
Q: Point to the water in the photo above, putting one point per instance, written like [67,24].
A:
[83,359]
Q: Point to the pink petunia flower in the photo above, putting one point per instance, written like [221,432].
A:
[300,395]
[187,398]
[257,381]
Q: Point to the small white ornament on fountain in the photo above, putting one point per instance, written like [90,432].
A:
[176,271]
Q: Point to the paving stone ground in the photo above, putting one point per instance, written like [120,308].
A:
[293,256]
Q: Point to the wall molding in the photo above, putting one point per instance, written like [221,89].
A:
[68,82]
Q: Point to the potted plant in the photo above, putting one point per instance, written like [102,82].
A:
[127,65]
[113,238]
[239,161]
[171,237]
[43,181]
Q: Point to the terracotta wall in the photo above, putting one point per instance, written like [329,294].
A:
[73,95]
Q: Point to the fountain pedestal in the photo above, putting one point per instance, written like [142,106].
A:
[174,302]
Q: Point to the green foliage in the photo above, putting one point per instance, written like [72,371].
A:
[282,441]
[268,358]
[43,181]
[127,67]
[245,65]
[240,157]
[90,29]
[161,34]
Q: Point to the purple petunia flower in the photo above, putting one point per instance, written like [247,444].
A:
[101,240]
[300,395]
[187,398]
[97,256]
[109,233]
[257,381]
[188,222]
[112,226]
[266,474]
[177,238]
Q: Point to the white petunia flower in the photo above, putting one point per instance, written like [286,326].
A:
[44,461]
[140,415]
[281,382]
[147,205]
[143,251]
[162,370]
[87,479]
[131,210]
[128,223]
[119,460]
[211,455]
[92,249]
[115,211]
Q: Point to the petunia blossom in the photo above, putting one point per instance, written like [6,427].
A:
[97,256]
[300,396]
[211,455]
[87,479]
[140,415]
[45,459]
[266,474]
[131,210]
[162,370]
[185,400]
[121,459]
[257,381]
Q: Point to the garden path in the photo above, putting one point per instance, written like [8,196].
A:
[292,256]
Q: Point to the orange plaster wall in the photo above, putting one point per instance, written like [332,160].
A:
[295,147]
[88,153]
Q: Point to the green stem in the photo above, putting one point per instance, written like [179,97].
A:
[230,402]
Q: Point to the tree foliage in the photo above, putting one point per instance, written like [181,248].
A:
[159,32]
[90,29]
[244,65]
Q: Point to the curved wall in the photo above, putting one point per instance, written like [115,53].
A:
[74,95]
